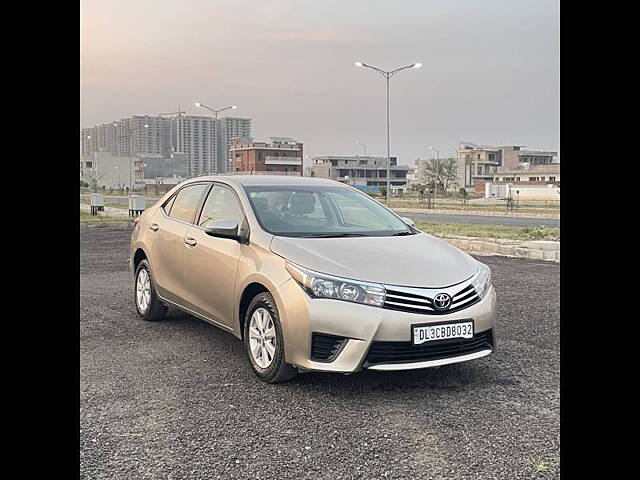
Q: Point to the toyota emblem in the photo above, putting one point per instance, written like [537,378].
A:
[442,301]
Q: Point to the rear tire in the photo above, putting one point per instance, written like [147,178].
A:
[148,304]
[264,342]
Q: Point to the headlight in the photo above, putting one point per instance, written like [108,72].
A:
[482,281]
[319,285]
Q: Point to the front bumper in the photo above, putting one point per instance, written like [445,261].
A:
[362,325]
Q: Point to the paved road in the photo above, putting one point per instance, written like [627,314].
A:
[482,219]
[176,399]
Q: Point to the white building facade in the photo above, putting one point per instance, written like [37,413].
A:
[102,169]
[204,140]
[128,137]
[196,136]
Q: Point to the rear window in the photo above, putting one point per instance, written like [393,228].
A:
[186,201]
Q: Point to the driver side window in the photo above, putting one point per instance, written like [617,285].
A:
[221,204]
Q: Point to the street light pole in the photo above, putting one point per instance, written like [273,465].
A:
[387,75]
[363,146]
[94,168]
[216,111]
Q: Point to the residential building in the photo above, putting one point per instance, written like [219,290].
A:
[129,137]
[196,136]
[364,172]
[412,177]
[230,128]
[529,173]
[279,156]
[205,141]
[482,163]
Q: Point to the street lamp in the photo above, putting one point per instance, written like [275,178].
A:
[144,187]
[117,170]
[215,111]
[387,75]
[363,146]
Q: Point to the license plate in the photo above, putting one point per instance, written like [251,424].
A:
[442,331]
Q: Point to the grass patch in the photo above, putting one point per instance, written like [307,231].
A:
[121,206]
[490,231]
[489,208]
[86,217]
[540,465]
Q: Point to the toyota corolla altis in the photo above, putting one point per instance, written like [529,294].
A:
[312,275]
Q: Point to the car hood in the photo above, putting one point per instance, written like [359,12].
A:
[419,260]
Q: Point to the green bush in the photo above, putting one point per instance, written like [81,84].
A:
[542,233]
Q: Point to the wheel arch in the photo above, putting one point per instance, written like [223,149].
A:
[139,255]
[248,293]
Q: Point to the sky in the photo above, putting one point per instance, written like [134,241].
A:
[490,73]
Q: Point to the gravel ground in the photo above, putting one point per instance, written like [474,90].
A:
[177,399]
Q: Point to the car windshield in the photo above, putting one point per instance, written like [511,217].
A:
[322,212]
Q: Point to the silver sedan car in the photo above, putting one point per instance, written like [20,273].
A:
[312,275]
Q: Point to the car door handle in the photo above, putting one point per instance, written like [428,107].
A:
[192,242]
[154,226]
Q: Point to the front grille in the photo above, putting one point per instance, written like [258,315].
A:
[415,303]
[325,348]
[406,352]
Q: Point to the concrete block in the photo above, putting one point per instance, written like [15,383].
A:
[507,250]
[543,245]
[534,254]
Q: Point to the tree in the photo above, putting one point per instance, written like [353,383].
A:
[383,191]
[442,171]
[421,188]
[465,194]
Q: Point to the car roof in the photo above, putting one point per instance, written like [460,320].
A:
[266,180]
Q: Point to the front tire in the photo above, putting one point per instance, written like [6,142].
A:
[264,342]
[148,304]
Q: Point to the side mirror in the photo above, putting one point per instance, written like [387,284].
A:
[223,229]
[408,221]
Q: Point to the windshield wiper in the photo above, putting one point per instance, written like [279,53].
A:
[401,234]
[333,235]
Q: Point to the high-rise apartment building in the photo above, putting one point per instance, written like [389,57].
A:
[197,137]
[129,137]
[205,141]
[230,128]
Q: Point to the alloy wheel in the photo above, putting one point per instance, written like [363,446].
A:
[262,337]
[143,290]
